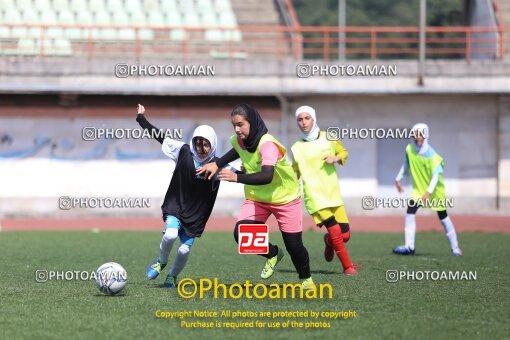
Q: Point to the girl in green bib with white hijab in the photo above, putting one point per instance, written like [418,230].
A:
[314,162]
[425,166]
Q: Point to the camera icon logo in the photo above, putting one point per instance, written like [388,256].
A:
[88,133]
[368,203]
[122,70]
[392,276]
[303,70]
[64,203]
[333,133]
[41,276]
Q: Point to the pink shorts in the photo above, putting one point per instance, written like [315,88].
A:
[289,215]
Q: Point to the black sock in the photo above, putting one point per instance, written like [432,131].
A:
[298,253]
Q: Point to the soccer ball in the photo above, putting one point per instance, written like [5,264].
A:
[111,278]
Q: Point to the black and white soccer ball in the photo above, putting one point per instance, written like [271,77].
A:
[111,278]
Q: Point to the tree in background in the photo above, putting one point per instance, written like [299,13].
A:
[380,12]
[377,13]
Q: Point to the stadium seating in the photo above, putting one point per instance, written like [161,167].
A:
[59,25]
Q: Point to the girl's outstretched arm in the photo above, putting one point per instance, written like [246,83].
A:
[144,123]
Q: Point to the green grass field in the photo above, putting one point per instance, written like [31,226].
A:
[407,309]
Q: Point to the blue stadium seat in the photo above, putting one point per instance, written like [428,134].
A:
[79,6]
[13,16]
[61,5]
[114,6]
[177,35]
[191,19]
[214,35]
[210,20]
[169,6]
[156,19]
[62,47]
[121,19]
[205,6]
[6,5]
[103,19]
[112,20]
[150,5]
[97,6]
[24,5]
[27,47]
[173,19]
[133,6]
[31,17]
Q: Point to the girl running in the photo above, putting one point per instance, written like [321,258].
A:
[189,199]
[270,188]
[426,169]
[314,161]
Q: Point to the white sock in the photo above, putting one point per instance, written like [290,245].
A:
[180,259]
[450,232]
[167,242]
[410,230]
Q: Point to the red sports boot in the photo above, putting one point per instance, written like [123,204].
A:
[329,252]
[350,271]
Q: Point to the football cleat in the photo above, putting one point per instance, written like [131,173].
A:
[403,250]
[154,269]
[328,249]
[457,252]
[350,271]
[271,263]
[170,281]
[308,284]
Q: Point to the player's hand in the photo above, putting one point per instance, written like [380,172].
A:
[209,170]
[426,196]
[400,189]
[331,159]
[141,109]
[227,175]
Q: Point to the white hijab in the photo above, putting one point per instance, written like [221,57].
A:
[314,132]
[422,128]
[208,133]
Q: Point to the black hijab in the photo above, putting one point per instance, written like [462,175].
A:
[257,126]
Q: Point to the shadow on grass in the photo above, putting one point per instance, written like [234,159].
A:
[122,294]
[320,271]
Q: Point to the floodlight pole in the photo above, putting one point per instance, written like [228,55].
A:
[341,26]
[422,37]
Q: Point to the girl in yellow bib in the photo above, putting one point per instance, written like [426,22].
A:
[425,166]
[271,187]
[314,161]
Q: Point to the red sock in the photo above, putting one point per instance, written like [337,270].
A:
[337,241]
[346,236]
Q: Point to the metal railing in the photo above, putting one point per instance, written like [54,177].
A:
[320,43]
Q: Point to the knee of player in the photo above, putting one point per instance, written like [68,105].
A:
[236,231]
[184,249]
[293,241]
[170,234]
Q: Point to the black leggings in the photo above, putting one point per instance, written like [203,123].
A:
[294,245]
[413,208]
